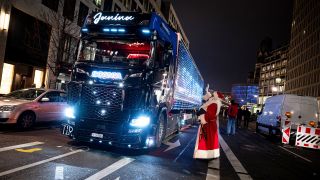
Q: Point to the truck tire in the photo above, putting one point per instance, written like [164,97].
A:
[161,129]
[26,120]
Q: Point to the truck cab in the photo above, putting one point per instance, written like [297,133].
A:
[123,85]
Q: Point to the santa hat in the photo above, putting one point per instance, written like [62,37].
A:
[218,95]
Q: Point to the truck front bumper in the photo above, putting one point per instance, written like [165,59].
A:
[134,139]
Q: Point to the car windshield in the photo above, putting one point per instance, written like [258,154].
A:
[28,94]
[133,53]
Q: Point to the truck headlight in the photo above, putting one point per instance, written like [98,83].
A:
[69,113]
[141,121]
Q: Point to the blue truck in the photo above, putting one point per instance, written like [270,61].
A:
[133,79]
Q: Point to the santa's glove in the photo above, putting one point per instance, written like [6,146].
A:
[202,120]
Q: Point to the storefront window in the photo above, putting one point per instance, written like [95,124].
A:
[6,79]
[38,78]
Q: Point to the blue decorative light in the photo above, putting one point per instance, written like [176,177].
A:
[189,89]
[106,30]
[121,30]
[114,30]
[145,31]
[84,29]
[106,75]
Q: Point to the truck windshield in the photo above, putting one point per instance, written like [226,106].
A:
[133,53]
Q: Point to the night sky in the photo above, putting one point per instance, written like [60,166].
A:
[225,35]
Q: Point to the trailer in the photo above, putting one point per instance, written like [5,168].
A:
[133,81]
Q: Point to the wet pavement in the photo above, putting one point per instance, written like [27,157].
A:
[43,153]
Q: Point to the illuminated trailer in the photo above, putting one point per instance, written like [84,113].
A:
[132,81]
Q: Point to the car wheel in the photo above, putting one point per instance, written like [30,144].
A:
[26,120]
[161,130]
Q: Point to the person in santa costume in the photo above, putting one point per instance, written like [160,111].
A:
[207,142]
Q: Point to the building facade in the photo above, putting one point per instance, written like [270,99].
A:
[272,79]
[303,76]
[38,40]
[245,94]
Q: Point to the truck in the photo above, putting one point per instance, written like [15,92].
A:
[286,115]
[133,80]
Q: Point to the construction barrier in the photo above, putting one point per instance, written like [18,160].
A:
[286,132]
[308,137]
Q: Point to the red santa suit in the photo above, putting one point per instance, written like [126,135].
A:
[207,143]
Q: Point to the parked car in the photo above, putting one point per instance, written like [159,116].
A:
[27,106]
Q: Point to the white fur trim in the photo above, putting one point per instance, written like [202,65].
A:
[206,154]
[207,96]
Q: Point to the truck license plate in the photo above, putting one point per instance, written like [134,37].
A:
[97,135]
[67,130]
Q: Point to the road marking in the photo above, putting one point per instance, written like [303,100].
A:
[59,173]
[175,160]
[20,146]
[29,150]
[296,154]
[110,169]
[237,166]
[213,172]
[172,145]
[38,163]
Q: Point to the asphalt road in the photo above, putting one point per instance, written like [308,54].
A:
[43,153]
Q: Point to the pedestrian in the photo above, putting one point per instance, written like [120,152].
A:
[207,142]
[247,115]
[239,117]
[232,114]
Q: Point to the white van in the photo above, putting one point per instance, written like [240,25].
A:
[302,109]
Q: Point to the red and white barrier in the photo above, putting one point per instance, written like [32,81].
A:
[308,137]
[286,128]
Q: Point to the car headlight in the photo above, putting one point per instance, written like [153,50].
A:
[70,113]
[141,121]
[7,107]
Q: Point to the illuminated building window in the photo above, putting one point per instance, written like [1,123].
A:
[7,77]
[38,78]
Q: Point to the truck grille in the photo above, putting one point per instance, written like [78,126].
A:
[73,91]
[100,102]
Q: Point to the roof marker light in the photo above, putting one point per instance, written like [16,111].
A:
[114,30]
[145,31]
[106,30]
[121,30]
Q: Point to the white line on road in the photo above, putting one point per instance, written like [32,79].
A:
[237,166]
[20,146]
[110,169]
[213,172]
[175,160]
[38,163]
[296,154]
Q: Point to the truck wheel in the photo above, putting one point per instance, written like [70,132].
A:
[26,120]
[161,130]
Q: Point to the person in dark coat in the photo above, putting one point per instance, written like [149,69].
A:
[239,117]
[247,115]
